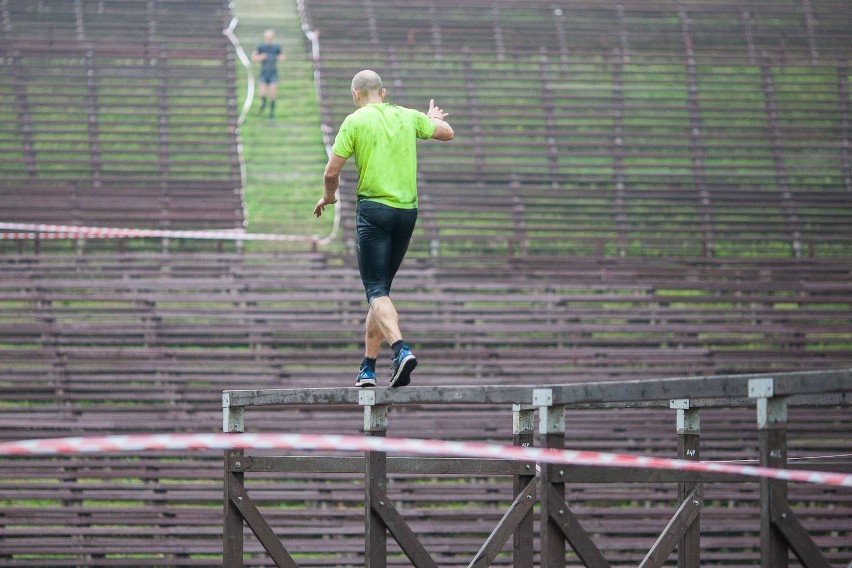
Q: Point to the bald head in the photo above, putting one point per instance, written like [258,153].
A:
[367,88]
[367,82]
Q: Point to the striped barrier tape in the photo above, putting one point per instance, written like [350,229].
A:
[409,446]
[32,231]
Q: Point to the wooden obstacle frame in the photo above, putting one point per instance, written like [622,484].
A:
[780,530]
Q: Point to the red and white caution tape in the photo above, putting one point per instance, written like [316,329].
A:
[410,446]
[19,231]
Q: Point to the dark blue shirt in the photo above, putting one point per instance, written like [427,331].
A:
[272,52]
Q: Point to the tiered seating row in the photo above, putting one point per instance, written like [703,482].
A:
[514,218]
[117,123]
[74,327]
[146,343]
[627,318]
[643,174]
[660,135]
[792,31]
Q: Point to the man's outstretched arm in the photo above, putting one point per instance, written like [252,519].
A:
[443,131]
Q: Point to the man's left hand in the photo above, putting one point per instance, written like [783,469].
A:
[436,111]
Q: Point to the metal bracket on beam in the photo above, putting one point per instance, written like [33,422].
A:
[761,388]
[367,397]
[542,397]
[771,409]
[551,417]
[233,417]
[688,419]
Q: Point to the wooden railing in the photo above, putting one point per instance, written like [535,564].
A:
[771,395]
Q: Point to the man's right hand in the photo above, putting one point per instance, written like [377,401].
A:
[321,204]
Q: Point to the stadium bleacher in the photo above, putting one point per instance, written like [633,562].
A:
[686,132]
[130,343]
[113,123]
[637,189]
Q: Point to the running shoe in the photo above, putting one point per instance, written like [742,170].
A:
[403,364]
[366,378]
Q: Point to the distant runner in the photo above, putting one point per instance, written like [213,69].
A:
[269,53]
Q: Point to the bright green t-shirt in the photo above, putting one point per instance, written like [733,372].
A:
[383,138]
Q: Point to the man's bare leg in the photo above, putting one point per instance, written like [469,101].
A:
[272,93]
[372,337]
[262,94]
[382,322]
[372,344]
[384,319]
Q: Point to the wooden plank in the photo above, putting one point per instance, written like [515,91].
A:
[677,527]
[609,474]
[723,386]
[349,395]
[813,382]
[702,387]
[396,465]
[274,397]
[516,514]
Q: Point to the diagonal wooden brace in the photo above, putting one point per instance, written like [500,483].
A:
[795,534]
[575,534]
[261,529]
[400,530]
[683,518]
[522,504]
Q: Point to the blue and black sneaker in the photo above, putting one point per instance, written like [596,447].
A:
[366,378]
[403,364]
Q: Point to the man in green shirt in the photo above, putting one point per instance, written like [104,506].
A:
[383,138]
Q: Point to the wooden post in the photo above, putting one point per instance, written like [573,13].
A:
[772,437]
[688,431]
[376,475]
[523,429]
[552,433]
[232,534]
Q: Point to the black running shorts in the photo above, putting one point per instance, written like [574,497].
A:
[382,237]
